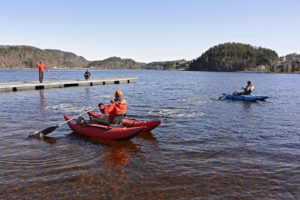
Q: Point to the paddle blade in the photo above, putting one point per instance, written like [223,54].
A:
[48,130]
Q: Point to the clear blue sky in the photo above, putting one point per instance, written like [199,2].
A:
[149,30]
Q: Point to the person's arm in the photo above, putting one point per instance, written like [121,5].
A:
[46,68]
[247,88]
[106,109]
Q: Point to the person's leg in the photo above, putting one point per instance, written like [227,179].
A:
[117,120]
[238,93]
[41,76]
[102,121]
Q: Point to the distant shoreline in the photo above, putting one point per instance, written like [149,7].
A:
[37,69]
[79,69]
[224,57]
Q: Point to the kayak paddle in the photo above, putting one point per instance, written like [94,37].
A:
[52,128]
[221,97]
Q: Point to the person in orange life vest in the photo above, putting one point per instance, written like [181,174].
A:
[41,68]
[117,108]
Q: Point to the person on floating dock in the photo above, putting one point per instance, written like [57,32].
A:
[116,110]
[87,74]
[41,68]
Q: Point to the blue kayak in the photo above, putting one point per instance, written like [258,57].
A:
[244,97]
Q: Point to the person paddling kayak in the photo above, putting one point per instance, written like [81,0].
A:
[116,109]
[247,90]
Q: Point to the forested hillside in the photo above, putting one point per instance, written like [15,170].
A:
[234,57]
[27,57]
[116,63]
[222,57]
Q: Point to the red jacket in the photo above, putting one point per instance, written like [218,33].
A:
[117,107]
[42,67]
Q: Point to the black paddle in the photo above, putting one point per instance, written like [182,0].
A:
[222,97]
[52,128]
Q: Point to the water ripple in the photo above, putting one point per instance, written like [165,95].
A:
[174,113]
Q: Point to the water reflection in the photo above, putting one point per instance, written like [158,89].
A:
[118,154]
[87,92]
[47,139]
[147,136]
[247,106]
[42,100]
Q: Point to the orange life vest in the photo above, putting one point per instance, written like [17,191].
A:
[117,107]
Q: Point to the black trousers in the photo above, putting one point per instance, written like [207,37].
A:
[41,76]
[117,120]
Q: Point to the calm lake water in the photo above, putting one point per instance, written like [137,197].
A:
[205,148]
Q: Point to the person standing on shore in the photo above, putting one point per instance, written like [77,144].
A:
[41,68]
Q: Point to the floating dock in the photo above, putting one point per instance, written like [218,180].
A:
[17,86]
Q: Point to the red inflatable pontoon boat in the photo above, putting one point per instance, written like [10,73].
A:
[149,125]
[102,131]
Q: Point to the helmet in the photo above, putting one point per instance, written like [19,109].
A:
[119,93]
